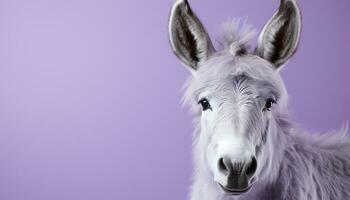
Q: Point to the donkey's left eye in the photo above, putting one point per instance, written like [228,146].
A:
[269,104]
[205,104]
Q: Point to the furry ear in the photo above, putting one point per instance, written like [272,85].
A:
[280,37]
[189,39]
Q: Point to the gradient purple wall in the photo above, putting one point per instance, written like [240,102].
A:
[90,92]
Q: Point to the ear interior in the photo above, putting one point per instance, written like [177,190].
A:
[280,36]
[189,39]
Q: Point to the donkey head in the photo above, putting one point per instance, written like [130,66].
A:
[237,94]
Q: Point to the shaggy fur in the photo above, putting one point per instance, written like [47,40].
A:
[237,82]
[305,167]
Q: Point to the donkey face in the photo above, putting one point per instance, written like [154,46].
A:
[236,92]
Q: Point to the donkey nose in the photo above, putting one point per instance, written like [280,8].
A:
[238,174]
[228,168]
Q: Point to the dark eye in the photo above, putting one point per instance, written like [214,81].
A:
[205,104]
[269,103]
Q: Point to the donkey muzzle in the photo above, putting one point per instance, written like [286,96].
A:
[239,175]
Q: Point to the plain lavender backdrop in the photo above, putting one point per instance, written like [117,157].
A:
[90,92]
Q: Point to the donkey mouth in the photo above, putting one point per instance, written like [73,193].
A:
[232,191]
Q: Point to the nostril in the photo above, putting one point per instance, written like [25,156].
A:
[223,167]
[252,167]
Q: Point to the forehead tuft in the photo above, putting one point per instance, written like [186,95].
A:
[236,34]
[224,66]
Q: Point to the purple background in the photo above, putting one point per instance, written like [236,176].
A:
[90,92]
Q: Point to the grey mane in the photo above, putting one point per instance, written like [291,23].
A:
[313,166]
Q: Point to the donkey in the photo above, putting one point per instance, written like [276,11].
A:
[245,145]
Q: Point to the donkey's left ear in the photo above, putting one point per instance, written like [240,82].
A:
[189,39]
[280,37]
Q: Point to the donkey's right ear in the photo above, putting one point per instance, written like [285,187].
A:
[188,37]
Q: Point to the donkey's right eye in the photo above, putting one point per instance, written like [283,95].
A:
[205,104]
